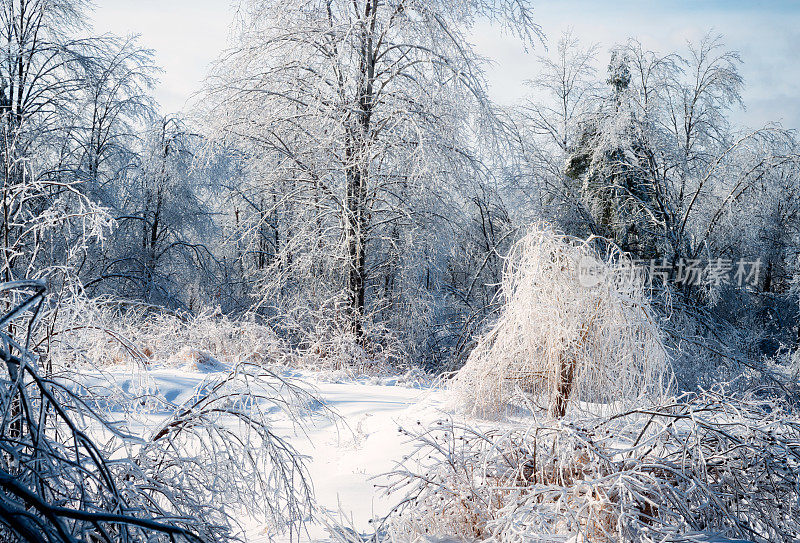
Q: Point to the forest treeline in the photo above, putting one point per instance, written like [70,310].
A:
[345,171]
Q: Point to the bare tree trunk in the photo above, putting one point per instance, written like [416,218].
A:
[358,173]
[356,256]
[566,378]
[566,371]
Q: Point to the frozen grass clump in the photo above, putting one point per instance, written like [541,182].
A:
[707,463]
[576,328]
[99,333]
[102,333]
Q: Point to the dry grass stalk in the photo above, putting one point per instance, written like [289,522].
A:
[709,463]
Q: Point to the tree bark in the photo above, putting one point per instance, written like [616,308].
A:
[357,156]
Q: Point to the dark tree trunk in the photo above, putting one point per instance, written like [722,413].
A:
[355,249]
[357,170]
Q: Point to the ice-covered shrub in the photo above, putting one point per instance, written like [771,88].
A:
[217,456]
[99,333]
[71,470]
[57,485]
[323,339]
[706,463]
[576,326]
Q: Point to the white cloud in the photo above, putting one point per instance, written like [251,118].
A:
[187,36]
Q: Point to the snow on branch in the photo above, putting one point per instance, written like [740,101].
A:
[68,473]
[693,465]
[56,484]
[576,326]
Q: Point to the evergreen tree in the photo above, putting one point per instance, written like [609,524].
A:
[610,161]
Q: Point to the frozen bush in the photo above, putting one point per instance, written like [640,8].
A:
[104,332]
[69,472]
[576,326]
[57,485]
[216,455]
[99,333]
[709,463]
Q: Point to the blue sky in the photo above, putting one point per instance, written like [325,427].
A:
[188,34]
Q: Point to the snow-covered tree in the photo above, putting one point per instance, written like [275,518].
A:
[45,214]
[163,242]
[359,118]
[549,123]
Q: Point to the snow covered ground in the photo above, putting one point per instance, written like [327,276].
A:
[346,447]
[346,455]
[349,439]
